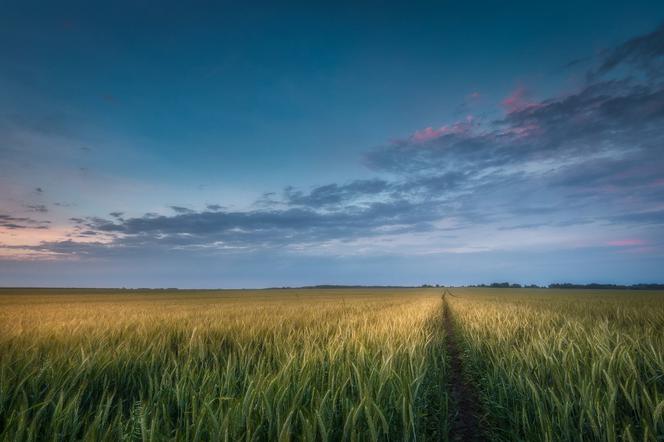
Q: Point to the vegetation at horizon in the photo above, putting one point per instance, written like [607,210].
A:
[332,364]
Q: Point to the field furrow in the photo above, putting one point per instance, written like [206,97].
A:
[465,413]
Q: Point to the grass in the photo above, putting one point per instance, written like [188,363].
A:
[232,365]
[328,364]
[566,365]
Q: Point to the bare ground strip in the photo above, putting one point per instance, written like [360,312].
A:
[464,417]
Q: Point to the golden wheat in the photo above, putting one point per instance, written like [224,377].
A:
[566,365]
[233,365]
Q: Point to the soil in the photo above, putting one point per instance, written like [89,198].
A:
[465,417]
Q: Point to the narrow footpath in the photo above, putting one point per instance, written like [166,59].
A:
[465,410]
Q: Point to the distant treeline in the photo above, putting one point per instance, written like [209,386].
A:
[495,285]
[567,285]
[507,285]
[607,286]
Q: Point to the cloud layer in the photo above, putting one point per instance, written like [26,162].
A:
[588,163]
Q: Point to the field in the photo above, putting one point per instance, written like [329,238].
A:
[353,364]
[566,365]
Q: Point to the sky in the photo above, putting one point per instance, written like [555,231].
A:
[249,144]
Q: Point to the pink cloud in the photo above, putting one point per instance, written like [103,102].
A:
[629,242]
[519,100]
[524,130]
[429,133]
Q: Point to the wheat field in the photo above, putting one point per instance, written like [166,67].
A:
[558,365]
[346,364]
[233,365]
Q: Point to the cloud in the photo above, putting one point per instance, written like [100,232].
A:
[180,209]
[520,99]
[214,231]
[296,222]
[600,148]
[523,226]
[429,133]
[41,208]
[645,52]
[13,222]
[602,119]
[335,194]
[586,159]
[646,217]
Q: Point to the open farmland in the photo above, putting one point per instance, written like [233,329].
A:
[347,364]
[566,364]
[231,365]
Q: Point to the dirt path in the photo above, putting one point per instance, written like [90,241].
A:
[464,418]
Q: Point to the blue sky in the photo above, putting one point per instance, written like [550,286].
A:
[226,145]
